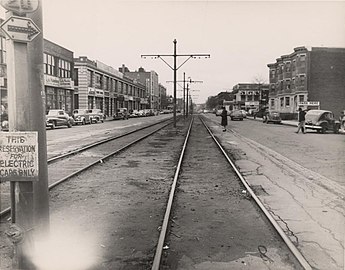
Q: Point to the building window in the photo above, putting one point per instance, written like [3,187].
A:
[287,101]
[64,69]
[90,78]
[76,77]
[301,98]
[282,102]
[49,64]
[302,80]
[98,81]
[272,103]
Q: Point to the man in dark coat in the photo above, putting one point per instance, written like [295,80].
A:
[301,120]
[224,116]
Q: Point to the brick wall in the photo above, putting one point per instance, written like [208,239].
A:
[326,81]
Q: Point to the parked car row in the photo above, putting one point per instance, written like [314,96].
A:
[146,112]
[56,118]
[319,120]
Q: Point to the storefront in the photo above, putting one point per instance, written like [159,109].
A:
[59,93]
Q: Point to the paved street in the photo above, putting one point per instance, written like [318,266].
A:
[299,177]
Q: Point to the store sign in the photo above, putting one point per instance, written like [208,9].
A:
[251,103]
[99,93]
[58,82]
[20,6]
[51,81]
[309,103]
[18,156]
[91,91]
[66,83]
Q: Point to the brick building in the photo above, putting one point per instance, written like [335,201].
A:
[58,77]
[250,96]
[150,80]
[99,86]
[314,74]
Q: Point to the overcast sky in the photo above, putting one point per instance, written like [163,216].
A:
[242,37]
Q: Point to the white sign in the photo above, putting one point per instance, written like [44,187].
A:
[18,156]
[309,103]
[20,6]
[58,82]
[20,29]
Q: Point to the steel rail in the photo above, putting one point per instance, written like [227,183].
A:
[164,227]
[77,151]
[298,255]
[8,210]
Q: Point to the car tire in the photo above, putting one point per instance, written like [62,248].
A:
[69,124]
[336,129]
[323,129]
[83,122]
[53,125]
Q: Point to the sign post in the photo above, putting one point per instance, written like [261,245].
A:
[29,173]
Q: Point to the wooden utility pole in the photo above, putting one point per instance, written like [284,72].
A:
[175,68]
[29,184]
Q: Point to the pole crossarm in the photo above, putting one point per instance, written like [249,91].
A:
[175,68]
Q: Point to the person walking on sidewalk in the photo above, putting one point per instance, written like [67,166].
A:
[224,116]
[301,120]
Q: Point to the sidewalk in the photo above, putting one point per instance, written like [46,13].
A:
[292,123]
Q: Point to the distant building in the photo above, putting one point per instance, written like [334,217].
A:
[150,80]
[250,96]
[99,86]
[163,99]
[58,77]
[315,75]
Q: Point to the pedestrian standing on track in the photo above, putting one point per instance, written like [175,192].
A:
[301,120]
[224,116]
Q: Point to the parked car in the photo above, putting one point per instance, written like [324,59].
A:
[273,117]
[56,118]
[4,126]
[219,112]
[96,115]
[321,121]
[141,113]
[134,113]
[236,115]
[81,116]
[244,113]
[121,113]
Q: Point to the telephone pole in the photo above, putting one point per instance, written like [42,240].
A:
[175,68]
[29,184]
[190,81]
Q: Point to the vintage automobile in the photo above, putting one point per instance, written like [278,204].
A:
[56,118]
[81,116]
[236,115]
[219,112]
[4,126]
[273,117]
[96,115]
[321,121]
[121,113]
[244,112]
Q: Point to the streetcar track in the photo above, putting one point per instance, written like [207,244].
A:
[164,228]
[77,169]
